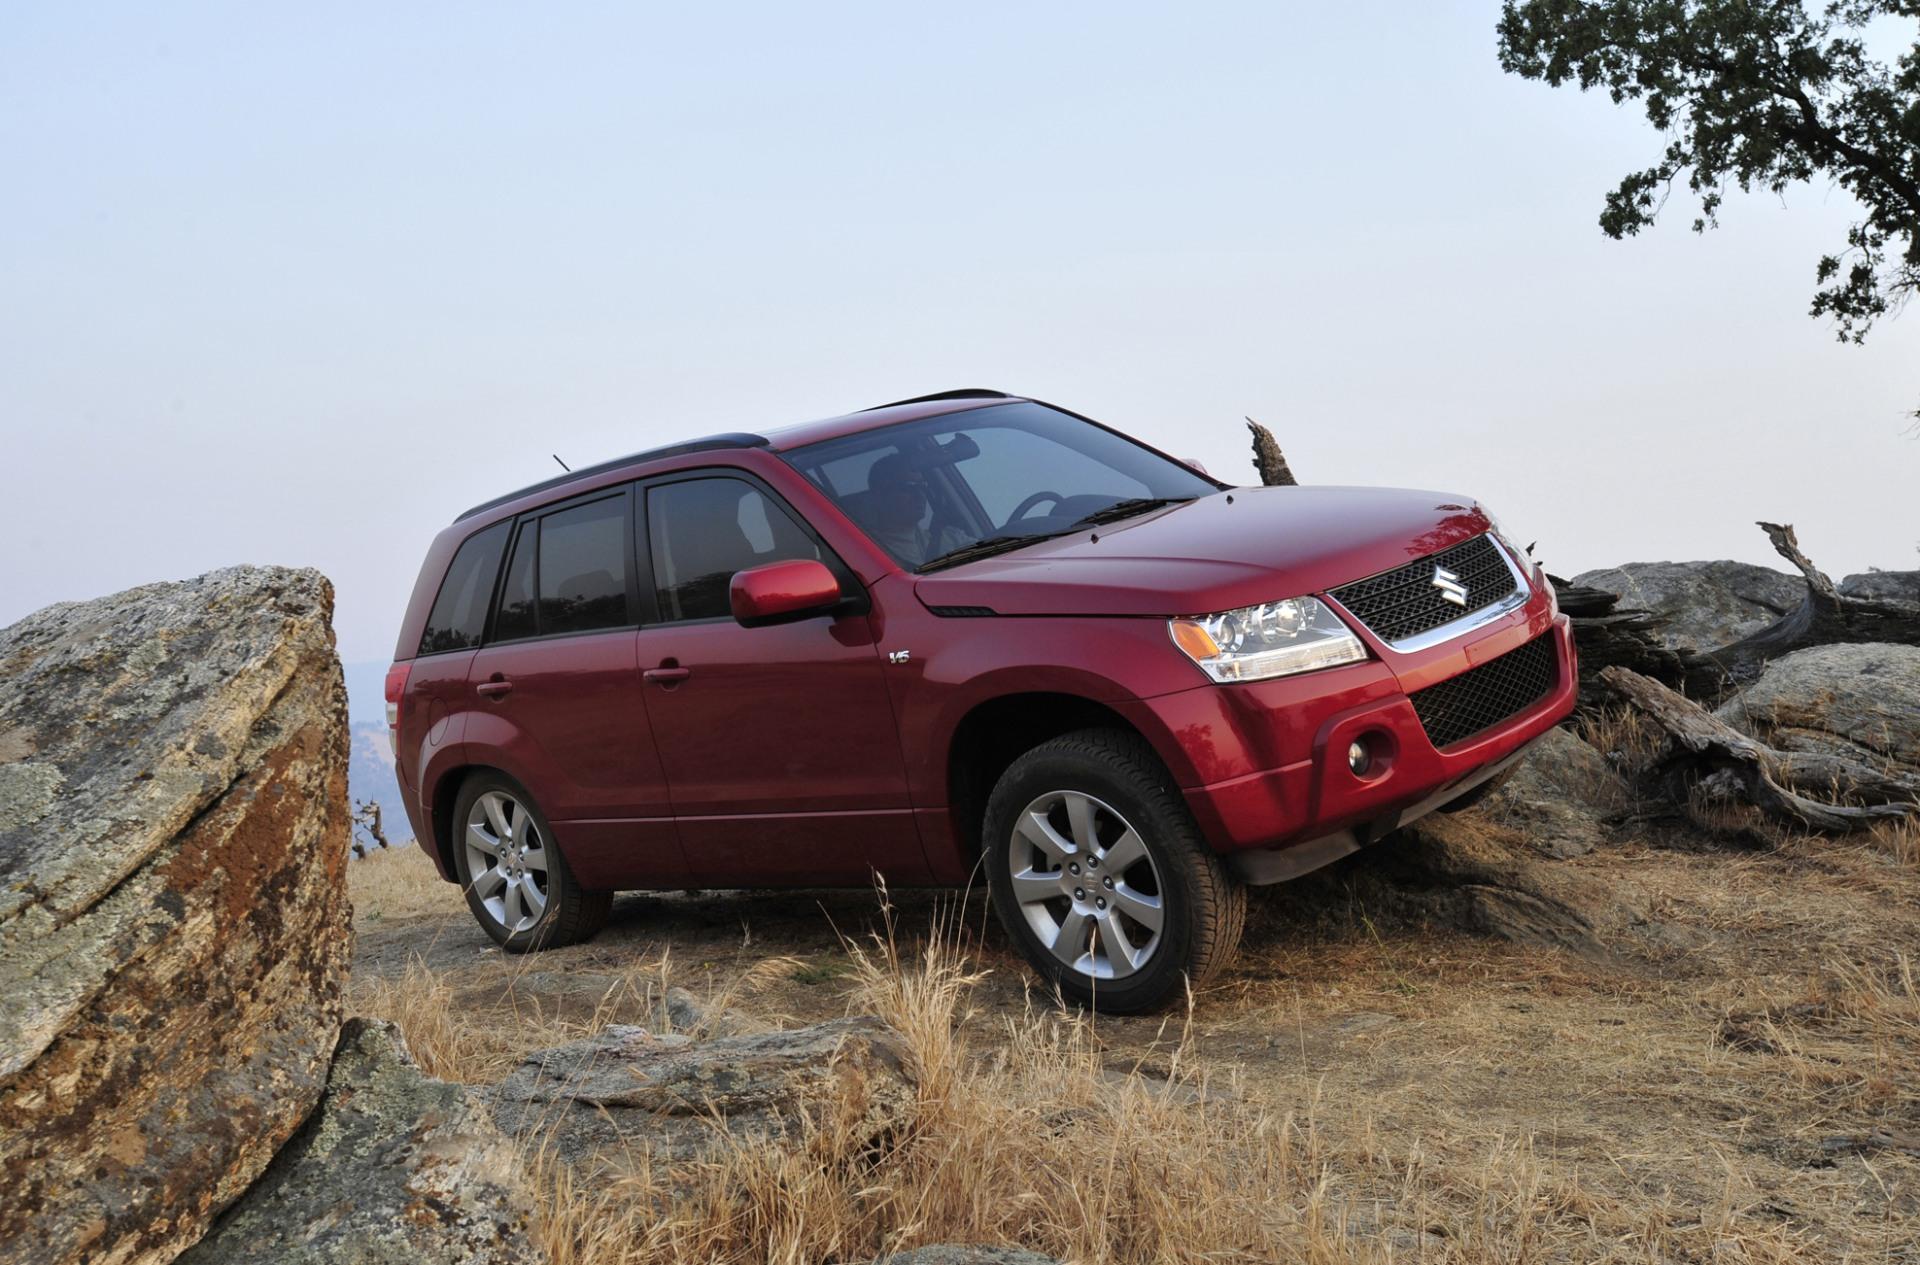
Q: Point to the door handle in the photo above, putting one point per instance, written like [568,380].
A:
[667,677]
[495,688]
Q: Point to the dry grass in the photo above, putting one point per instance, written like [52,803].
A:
[1355,1091]
[1624,734]
[396,883]
[1899,840]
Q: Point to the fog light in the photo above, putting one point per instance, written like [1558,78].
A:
[1357,758]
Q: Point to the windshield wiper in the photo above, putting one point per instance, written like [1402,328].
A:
[985,549]
[1127,509]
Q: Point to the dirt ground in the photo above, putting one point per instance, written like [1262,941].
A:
[1748,1090]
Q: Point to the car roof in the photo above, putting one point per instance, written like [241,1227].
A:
[783,439]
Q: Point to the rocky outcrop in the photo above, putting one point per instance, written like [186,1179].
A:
[394,1169]
[1704,605]
[173,913]
[1901,586]
[1861,702]
[1559,796]
[629,1090]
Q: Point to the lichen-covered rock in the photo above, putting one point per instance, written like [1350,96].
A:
[1706,605]
[1901,586]
[1860,701]
[1559,796]
[629,1090]
[173,911]
[394,1169]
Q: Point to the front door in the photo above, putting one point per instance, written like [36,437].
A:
[779,742]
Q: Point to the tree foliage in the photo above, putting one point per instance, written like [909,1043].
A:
[1754,94]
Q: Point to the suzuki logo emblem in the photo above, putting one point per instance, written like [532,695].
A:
[1449,585]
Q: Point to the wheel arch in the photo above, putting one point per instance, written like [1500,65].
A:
[997,731]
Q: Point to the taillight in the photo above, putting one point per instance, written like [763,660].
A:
[396,687]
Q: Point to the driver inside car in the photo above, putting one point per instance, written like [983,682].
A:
[898,506]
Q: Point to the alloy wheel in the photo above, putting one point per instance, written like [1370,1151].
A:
[507,858]
[1086,884]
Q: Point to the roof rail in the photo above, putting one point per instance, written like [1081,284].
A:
[732,439]
[964,393]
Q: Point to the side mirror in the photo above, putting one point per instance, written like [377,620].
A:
[782,591]
[1194,463]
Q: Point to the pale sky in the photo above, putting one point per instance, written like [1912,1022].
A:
[298,284]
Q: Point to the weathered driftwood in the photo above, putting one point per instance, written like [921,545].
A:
[1610,637]
[1268,460]
[1824,617]
[1710,754]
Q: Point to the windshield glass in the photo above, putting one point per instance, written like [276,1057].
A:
[970,483]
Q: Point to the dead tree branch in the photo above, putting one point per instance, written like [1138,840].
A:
[1706,751]
[1268,460]
[366,822]
[1608,637]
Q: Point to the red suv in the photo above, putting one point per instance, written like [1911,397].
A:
[958,632]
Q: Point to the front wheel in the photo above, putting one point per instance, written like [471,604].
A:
[517,882]
[1099,873]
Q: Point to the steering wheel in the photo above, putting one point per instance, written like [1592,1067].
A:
[1025,507]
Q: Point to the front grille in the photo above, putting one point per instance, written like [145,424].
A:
[1404,602]
[1482,697]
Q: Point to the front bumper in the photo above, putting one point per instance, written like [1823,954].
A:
[1265,764]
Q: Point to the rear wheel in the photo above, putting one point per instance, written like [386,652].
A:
[517,882]
[1099,873]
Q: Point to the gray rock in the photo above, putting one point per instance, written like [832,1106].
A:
[1706,604]
[1902,586]
[968,1254]
[394,1169]
[1860,701]
[173,911]
[629,1090]
[1559,796]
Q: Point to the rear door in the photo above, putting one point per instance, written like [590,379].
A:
[779,742]
[556,699]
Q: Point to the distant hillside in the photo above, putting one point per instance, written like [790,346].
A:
[370,768]
[370,777]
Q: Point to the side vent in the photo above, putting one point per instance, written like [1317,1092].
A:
[963,612]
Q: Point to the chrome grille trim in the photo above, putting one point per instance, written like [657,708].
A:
[1522,592]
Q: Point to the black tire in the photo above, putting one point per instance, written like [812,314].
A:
[1200,905]
[570,914]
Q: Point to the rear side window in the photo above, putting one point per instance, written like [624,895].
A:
[568,573]
[583,568]
[460,611]
[703,530]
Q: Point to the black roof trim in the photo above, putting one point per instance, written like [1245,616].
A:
[964,393]
[712,443]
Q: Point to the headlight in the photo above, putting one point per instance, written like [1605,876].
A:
[1268,640]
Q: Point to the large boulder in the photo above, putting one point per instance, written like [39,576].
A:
[1901,586]
[1705,605]
[1559,796]
[1859,701]
[394,1169]
[173,911]
[628,1090]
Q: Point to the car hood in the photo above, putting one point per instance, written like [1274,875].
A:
[1222,551]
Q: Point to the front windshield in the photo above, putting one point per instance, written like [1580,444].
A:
[963,484]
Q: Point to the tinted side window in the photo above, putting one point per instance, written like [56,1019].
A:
[460,611]
[513,617]
[703,530]
[583,568]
